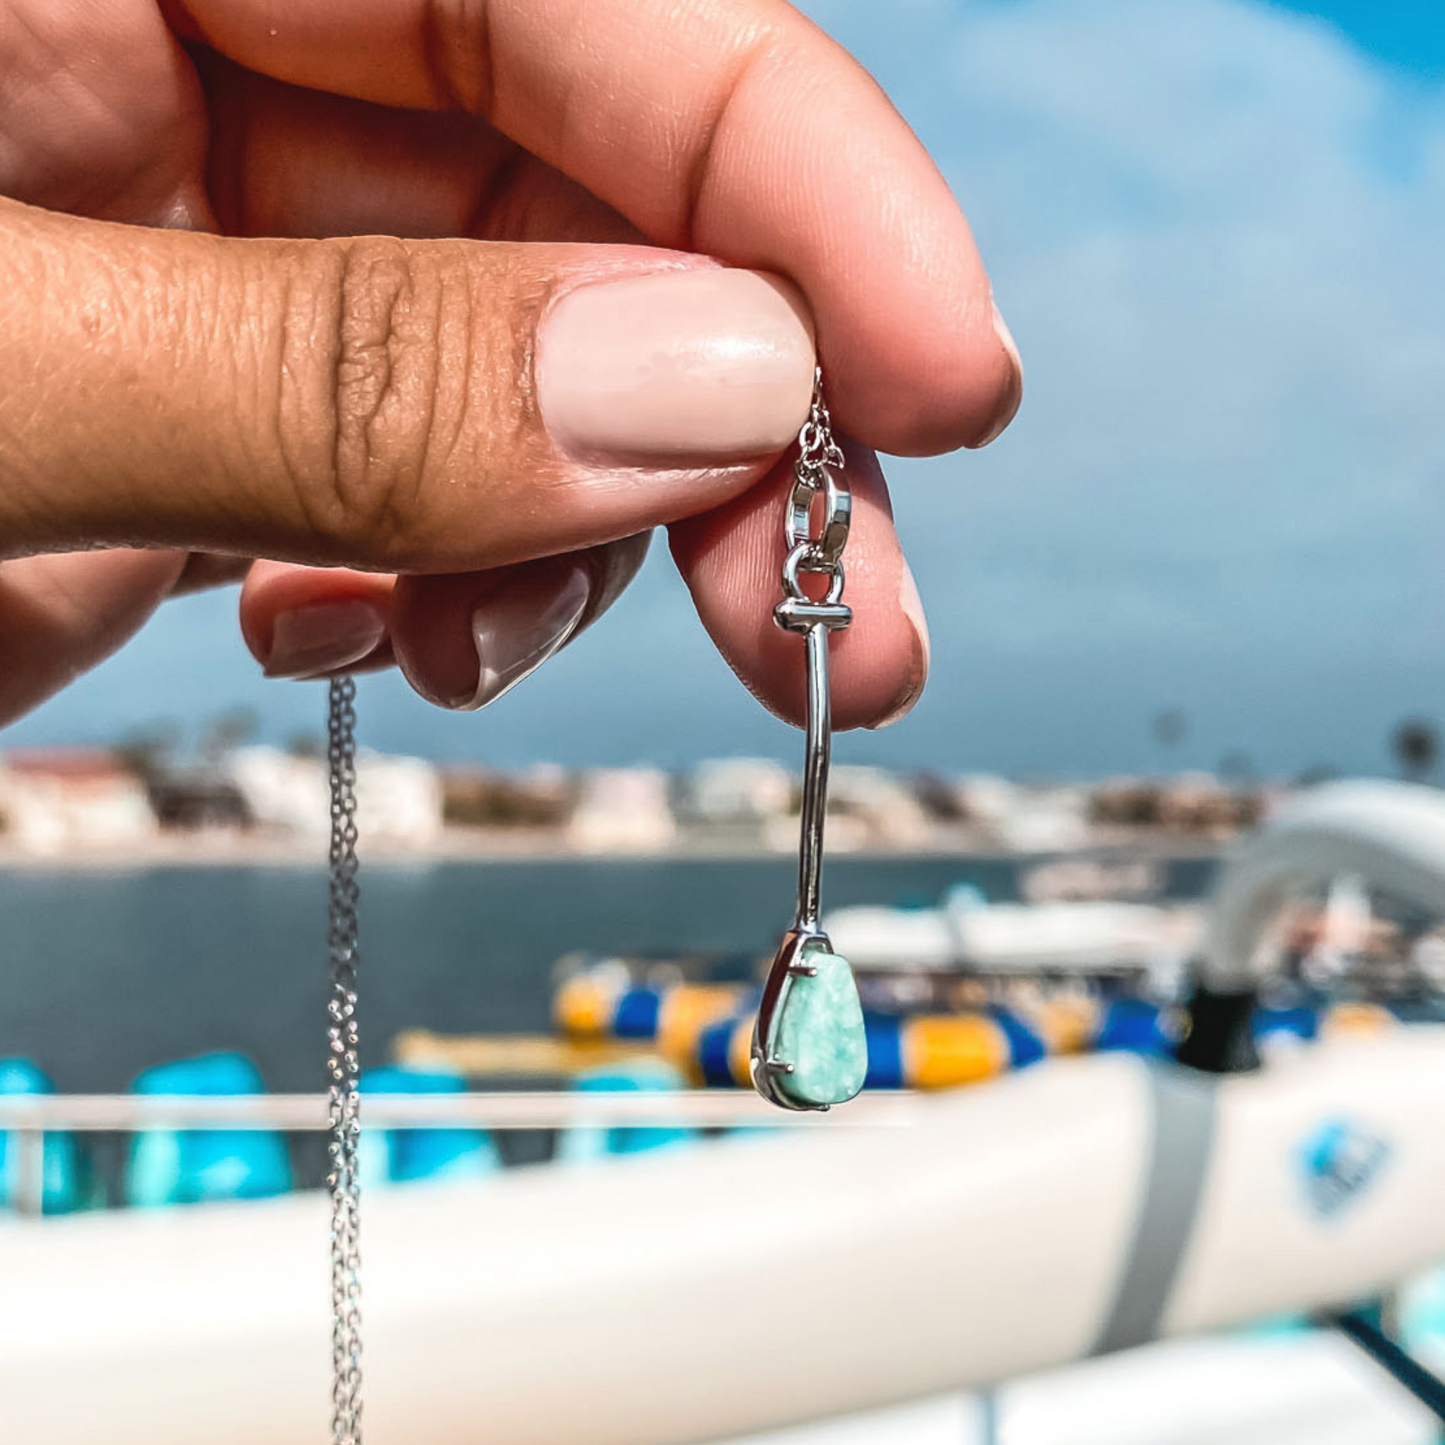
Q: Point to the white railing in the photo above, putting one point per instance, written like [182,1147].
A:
[485,1109]
[27,1118]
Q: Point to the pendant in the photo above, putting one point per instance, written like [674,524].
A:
[809,1048]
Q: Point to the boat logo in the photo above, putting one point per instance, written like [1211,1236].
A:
[1338,1161]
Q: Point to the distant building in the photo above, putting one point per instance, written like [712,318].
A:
[1027,819]
[398,799]
[56,799]
[1126,802]
[986,800]
[734,797]
[283,792]
[622,810]
[197,799]
[939,795]
[1200,803]
[541,796]
[882,805]
[1186,803]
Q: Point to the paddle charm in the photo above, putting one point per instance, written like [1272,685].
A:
[809,1049]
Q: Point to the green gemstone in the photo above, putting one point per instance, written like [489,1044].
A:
[817,1027]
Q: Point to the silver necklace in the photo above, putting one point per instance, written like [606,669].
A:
[343,1067]
[809,1048]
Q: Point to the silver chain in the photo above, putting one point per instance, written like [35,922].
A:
[343,1068]
[820,460]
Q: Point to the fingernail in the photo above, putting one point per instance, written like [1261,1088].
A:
[524,627]
[912,606]
[308,641]
[1013,392]
[703,366]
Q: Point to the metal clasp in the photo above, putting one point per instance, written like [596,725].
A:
[815,473]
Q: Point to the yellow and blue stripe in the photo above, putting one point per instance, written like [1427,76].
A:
[706,1030]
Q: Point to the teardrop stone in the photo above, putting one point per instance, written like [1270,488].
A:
[817,1026]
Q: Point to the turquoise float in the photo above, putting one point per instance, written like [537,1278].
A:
[66,1183]
[586,1142]
[403,1156]
[193,1166]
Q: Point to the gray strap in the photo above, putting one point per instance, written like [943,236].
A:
[1183,1108]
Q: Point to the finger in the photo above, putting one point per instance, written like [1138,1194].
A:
[204,570]
[60,615]
[465,641]
[287,161]
[736,129]
[732,560]
[100,113]
[462,640]
[306,622]
[394,405]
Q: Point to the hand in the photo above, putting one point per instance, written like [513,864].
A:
[496,418]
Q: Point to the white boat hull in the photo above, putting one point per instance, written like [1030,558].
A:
[690,1296]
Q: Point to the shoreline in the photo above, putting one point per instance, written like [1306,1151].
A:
[500,847]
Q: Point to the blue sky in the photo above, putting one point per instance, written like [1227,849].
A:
[1408,34]
[1215,227]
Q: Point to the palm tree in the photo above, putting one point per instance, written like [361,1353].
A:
[1416,745]
[1169,726]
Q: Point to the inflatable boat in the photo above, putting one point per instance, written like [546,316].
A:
[1079,1207]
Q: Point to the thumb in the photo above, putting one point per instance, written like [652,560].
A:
[429,406]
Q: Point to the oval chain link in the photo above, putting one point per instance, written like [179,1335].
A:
[816,473]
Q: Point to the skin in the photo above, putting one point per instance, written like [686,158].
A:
[230,375]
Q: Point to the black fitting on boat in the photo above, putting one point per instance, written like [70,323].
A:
[1218,1037]
[1364,1328]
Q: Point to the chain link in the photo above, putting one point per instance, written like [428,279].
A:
[815,473]
[343,1068]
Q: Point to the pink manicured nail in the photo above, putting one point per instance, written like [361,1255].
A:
[521,629]
[912,606]
[1013,393]
[323,637]
[704,367]
[1006,337]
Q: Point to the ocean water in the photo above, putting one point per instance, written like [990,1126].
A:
[105,973]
